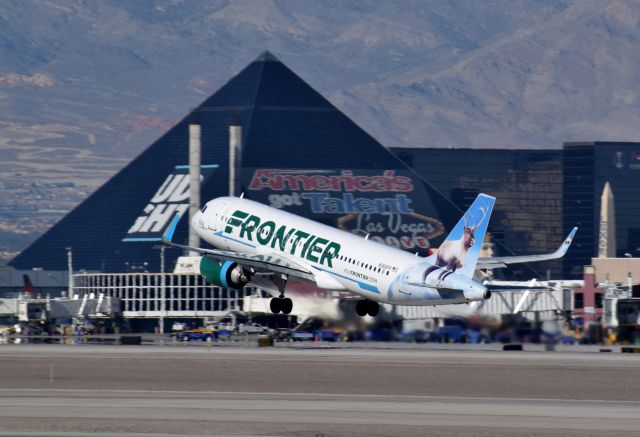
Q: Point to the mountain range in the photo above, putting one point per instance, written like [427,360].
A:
[87,85]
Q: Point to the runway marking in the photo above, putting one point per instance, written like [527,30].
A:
[297,394]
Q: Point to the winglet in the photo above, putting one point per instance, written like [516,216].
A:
[562,250]
[168,235]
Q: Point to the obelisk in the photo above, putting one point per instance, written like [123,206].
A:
[607,237]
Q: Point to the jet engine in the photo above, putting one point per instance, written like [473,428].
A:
[227,274]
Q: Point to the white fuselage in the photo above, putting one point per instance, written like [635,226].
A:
[340,260]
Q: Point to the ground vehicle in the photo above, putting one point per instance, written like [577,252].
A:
[252,328]
[196,334]
[8,330]
[178,326]
[301,336]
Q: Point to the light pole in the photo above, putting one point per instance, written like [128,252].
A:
[162,288]
[70,268]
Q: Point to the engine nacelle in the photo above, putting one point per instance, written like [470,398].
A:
[227,274]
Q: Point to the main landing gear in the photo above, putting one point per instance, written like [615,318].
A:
[281,304]
[366,306]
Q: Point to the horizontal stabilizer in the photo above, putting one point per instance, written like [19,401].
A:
[503,261]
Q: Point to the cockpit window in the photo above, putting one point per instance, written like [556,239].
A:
[204,208]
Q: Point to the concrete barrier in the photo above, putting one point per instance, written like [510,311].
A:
[131,339]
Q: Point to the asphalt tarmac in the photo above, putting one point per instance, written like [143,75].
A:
[315,391]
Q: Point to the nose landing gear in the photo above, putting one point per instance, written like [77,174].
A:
[366,306]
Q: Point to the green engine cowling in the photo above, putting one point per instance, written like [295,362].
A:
[227,274]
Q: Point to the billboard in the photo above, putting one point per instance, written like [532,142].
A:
[171,198]
[387,205]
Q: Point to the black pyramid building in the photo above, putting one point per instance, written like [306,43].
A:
[299,153]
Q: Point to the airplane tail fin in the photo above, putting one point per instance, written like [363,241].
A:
[461,249]
[27,286]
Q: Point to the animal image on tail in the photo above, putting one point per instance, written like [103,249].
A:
[460,251]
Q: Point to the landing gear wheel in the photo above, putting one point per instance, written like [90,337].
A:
[372,308]
[275,305]
[286,305]
[361,308]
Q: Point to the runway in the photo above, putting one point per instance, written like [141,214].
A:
[60,390]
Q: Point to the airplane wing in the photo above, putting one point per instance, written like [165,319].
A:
[504,261]
[260,262]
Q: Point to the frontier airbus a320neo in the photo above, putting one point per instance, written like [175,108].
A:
[264,246]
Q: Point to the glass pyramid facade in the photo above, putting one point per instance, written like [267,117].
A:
[299,153]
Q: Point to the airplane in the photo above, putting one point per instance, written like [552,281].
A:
[264,246]
[27,286]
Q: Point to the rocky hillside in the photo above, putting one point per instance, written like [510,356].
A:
[85,86]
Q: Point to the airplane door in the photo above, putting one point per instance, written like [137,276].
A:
[215,218]
[216,223]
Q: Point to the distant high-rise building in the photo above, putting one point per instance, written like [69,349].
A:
[587,167]
[527,184]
